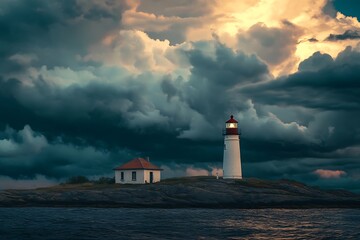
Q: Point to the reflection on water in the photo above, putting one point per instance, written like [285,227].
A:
[293,224]
[91,223]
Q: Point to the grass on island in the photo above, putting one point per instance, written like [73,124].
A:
[82,183]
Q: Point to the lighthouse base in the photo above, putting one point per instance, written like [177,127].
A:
[232,160]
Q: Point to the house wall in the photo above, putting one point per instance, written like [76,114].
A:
[141,176]
[156,175]
[128,176]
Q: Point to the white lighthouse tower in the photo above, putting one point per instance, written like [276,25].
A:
[232,160]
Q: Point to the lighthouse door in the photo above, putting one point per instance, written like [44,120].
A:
[151,177]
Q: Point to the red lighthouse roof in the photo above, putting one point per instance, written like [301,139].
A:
[232,120]
[138,163]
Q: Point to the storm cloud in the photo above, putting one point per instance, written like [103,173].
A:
[273,45]
[87,85]
[348,34]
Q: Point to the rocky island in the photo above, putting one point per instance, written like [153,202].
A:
[189,192]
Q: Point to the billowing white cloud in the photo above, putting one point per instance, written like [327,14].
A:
[290,26]
[24,142]
[26,154]
[351,151]
[135,51]
[255,126]
[23,59]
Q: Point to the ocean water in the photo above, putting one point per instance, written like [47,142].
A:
[126,223]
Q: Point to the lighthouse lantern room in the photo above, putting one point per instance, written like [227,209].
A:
[232,159]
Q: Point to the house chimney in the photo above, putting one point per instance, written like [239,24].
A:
[148,159]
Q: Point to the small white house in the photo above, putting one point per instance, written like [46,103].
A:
[137,171]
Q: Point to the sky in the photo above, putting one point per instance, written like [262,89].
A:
[86,85]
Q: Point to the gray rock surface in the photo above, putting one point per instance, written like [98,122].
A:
[202,192]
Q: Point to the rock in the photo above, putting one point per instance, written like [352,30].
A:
[199,192]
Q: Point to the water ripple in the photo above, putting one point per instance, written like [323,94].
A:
[124,223]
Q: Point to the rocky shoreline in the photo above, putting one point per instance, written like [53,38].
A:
[191,192]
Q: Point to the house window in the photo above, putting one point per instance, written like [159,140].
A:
[133,176]
[122,176]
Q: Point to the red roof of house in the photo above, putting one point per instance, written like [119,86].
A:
[232,120]
[138,163]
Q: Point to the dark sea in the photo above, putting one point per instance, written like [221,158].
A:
[126,223]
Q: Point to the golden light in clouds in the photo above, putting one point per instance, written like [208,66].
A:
[227,20]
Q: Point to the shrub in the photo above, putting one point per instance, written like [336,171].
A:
[77,180]
[105,180]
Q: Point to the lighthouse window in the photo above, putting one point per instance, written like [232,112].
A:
[122,176]
[231,125]
[133,176]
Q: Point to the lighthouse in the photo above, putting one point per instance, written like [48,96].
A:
[232,160]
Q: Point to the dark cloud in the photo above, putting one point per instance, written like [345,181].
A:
[128,115]
[328,87]
[178,9]
[103,122]
[64,116]
[27,154]
[329,9]
[55,31]
[271,44]
[347,35]
[171,20]
[220,76]
[169,87]
[312,40]
[316,62]
[321,83]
